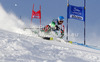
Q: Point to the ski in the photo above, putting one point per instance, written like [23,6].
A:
[81,44]
[48,38]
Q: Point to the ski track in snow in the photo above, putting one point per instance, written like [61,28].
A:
[20,48]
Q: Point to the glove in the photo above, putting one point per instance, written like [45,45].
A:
[56,27]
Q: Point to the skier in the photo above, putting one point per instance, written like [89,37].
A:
[56,25]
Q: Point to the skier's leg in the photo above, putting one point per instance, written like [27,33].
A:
[62,33]
[47,28]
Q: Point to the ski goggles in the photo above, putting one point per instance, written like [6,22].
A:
[61,21]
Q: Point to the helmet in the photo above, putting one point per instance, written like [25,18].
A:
[60,18]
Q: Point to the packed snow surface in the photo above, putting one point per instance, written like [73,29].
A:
[16,47]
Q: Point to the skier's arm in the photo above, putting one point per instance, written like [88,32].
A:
[53,23]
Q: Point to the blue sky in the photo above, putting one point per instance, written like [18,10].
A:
[53,8]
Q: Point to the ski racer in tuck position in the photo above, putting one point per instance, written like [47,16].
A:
[56,25]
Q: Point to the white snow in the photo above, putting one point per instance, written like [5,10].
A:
[17,47]
[20,48]
[10,22]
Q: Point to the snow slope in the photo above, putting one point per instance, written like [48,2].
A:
[16,47]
